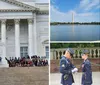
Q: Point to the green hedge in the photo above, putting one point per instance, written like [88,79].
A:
[74,45]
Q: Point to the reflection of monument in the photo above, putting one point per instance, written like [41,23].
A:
[73,24]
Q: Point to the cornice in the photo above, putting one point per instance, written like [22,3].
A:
[43,12]
[26,7]
[16,10]
[18,3]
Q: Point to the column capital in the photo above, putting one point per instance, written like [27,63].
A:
[3,21]
[17,21]
[30,20]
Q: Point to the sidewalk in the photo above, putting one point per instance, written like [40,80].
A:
[24,76]
[55,78]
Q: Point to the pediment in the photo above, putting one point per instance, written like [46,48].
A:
[15,5]
[5,5]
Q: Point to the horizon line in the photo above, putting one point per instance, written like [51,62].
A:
[76,21]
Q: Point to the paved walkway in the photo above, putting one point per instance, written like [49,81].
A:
[24,76]
[55,78]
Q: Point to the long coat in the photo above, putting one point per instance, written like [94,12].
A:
[87,73]
[65,68]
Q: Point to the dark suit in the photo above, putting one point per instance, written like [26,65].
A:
[65,68]
[87,73]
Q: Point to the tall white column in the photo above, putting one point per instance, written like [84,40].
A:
[3,40]
[32,48]
[30,38]
[17,38]
[35,35]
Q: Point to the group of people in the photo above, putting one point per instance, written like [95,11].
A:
[67,68]
[26,61]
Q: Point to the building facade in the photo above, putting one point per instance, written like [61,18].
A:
[24,28]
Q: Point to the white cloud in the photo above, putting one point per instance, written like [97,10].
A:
[88,5]
[87,17]
[57,16]
[83,3]
[53,1]
[98,7]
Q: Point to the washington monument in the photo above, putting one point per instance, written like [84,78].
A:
[72,17]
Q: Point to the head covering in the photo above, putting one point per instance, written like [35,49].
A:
[70,50]
[85,52]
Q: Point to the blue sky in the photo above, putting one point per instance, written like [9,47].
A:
[83,10]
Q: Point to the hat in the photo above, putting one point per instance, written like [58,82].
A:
[70,50]
[85,52]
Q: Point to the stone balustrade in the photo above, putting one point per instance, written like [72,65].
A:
[56,54]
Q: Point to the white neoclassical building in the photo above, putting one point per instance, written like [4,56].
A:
[24,28]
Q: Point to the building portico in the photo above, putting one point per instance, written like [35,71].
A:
[19,30]
[31,32]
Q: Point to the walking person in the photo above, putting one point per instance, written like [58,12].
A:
[86,69]
[67,68]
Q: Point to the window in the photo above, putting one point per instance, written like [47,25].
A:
[47,51]
[24,51]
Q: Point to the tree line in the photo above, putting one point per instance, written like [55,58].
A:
[78,23]
[73,45]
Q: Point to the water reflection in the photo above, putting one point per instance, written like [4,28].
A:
[75,32]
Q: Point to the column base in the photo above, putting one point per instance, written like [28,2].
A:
[3,63]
